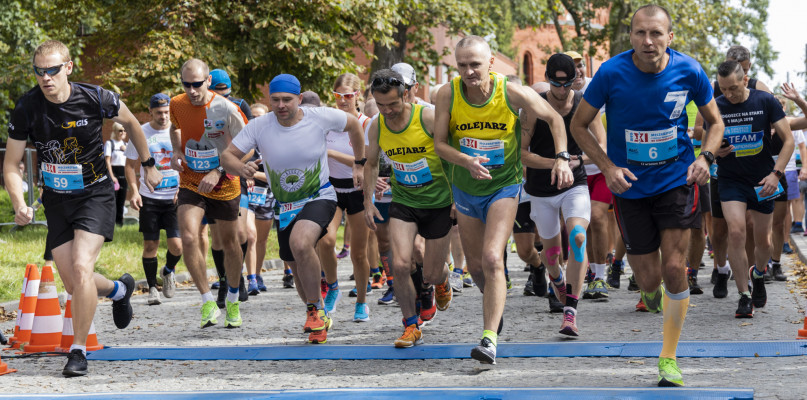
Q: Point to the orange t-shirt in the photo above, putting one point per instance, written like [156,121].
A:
[206,131]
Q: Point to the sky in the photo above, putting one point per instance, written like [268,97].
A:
[788,33]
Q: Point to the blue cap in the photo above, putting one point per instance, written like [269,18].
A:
[284,83]
[220,79]
[159,100]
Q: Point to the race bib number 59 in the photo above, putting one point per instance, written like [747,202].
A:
[651,147]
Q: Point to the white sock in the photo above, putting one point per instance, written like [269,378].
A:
[119,293]
[232,297]
[207,297]
[599,271]
[726,269]
[78,347]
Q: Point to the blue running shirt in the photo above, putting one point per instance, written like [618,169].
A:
[647,120]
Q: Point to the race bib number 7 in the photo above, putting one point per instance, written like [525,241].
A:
[651,147]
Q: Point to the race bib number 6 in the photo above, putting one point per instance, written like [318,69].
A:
[651,147]
[202,160]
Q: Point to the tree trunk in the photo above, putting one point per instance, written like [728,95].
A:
[388,56]
[620,35]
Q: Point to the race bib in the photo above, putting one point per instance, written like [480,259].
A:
[257,196]
[713,170]
[63,177]
[779,190]
[289,211]
[170,180]
[202,160]
[651,147]
[412,175]
[745,142]
[492,149]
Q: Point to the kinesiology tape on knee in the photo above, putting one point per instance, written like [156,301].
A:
[578,251]
[552,255]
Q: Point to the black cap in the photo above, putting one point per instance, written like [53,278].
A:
[560,62]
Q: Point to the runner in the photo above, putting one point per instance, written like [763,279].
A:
[477,130]
[202,125]
[292,142]
[547,201]
[411,84]
[158,209]
[114,149]
[63,120]
[748,176]
[645,91]
[421,197]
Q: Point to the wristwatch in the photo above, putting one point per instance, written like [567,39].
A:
[360,162]
[221,170]
[710,158]
[148,163]
[564,155]
[778,173]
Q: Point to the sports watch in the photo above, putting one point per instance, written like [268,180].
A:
[148,163]
[564,155]
[710,158]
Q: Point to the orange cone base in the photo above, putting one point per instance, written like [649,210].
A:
[89,348]
[4,369]
[802,334]
[37,349]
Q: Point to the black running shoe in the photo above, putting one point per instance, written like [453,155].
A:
[122,309]
[713,280]
[745,308]
[529,290]
[555,306]
[758,293]
[692,279]
[632,285]
[539,283]
[614,273]
[777,273]
[721,289]
[288,281]
[222,294]
[76,364]
[243,294]
[485,352]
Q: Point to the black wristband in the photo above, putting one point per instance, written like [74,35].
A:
[360,162]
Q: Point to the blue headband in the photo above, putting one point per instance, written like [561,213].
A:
[284,83]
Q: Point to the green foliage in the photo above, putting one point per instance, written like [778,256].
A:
[500,14]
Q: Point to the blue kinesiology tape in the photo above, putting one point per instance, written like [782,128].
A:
[579,252]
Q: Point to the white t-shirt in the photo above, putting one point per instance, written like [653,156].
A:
[295,158]
[425,104]
[159,144]
[115,150]
[798,136]
[340,141]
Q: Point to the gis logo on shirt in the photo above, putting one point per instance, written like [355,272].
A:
[74,124]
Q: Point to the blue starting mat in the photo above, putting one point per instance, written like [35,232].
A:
[452,351]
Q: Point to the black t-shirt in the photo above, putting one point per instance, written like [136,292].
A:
[242,105]
[752,84]
[748,128]
[539,181]
[66,135]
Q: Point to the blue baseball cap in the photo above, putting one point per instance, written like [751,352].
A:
[284,83]
[159,100]
[220,79]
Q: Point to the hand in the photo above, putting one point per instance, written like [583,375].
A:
[358,176]
[177,161]
[769,185]
[209,182]
[153,178]
[136,202]
[250,183]
[724,151]
[803,174]
[370,212]
[249,169]
[615,179]
[114,180]
[561,174]
[381,185]
[24,215]
[790,92]
[477,170]
[698,171]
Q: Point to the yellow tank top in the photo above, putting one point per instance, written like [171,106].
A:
[491,129]
[418,175]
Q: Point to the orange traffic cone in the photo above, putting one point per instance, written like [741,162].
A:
[28,308]
[67,332]
[13,338]
[803,332]
[4,369]
[46,332]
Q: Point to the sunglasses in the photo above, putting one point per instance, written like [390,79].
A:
[387,81]
[194,84]
[49,70]
[340,96]
[559,84]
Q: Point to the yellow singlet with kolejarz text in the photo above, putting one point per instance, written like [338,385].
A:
[492,130]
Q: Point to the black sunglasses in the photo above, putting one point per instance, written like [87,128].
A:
[50,70]
[559,84]
[388,81]
[194,84]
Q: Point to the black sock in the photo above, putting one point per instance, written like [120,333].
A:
[417,279]
[244,251]
[538,246]
[218,260]
[570,301]
[171,260]
[150,268]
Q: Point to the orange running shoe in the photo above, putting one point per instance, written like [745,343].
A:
[316,320]
[444,295]
[321,336]
[428,307]
[379,279]
[412,336]
[640,306]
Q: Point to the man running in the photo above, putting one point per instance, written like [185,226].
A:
[478,113]
[203,123]
[291,141]
[421,196]
[158,209]
[63,120]
[650,165]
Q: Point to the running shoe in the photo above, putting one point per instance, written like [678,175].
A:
[456,281]
[378,281]
[569,327]
[76,364]
[428,306]
[122,309]
[759,295]
[777,273]
[485,352]
[355,292]
[467,280]
[669,375]
[154,296]
[654,304]
[640,306]
[332,299]
[713,280]
[215,285]
[443,295]
[588,293]
[252,289]
[767,274]
[288,281]
[560,290]
[261,286]
[233,318]
[411,337]
[169,283]
[589,275]
[632,285]
[316,320]
[210,311]
[614,273]
[721,289]
[600,291]
[388,297]
[323,287]
[529,288]
[787,249]
[797,228]
[362,313]
[692,279]
[342,254]
[539,283]
[243,295]
[745,308]
[222,292]
[352,277]
[555,306]
[508,281]
[320,336]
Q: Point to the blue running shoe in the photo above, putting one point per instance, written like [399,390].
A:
[388,297]
[252,289]
[362,313]
[261,286]
[331,299]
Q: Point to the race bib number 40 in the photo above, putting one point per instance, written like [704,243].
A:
[202,160]
[492,149]
[412,175]
[745,142]
[63,177]
[651,147]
